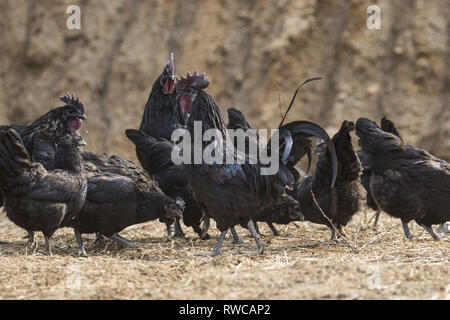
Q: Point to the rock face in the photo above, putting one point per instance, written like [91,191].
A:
[255,52]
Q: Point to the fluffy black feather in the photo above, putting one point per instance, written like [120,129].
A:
[407,182]
[115,202]
[155,157]
[387,126]
[345,199]
[36,199]
[282,211]
[285,209]
[52,125]
[105,173]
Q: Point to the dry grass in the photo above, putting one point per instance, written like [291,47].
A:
[300,264]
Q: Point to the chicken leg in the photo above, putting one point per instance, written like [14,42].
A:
[48,245]
[236,239]
[216,250]
[81,251]
[406,230]
[431,232]
[377,216]
[178,231]
[255,235]
[274,230]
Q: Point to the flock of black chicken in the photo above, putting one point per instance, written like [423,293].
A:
[47,183]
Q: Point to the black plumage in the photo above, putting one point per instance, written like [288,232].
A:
[406,182]
[387,126]
[345,199]
[237,122]
[162,114]
[115,202]
[52,125]
[36,199]
[97,163]
[285,209]
[233,193]
[107,171]
[155,157]
[118,194]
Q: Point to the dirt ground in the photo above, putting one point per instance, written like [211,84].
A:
[300,264]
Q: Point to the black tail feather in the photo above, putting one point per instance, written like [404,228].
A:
[308,129]
[14,158]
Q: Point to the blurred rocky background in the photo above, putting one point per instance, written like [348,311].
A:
[256,52]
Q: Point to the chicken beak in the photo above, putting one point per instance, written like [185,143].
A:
[82,116]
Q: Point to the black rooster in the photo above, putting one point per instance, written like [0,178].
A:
[52,125]
[406,182]
[233,193]
[387,126]
[283,210]
[346,198]
[162,115]
[36,199]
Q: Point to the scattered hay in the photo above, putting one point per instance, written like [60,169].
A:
[300,264]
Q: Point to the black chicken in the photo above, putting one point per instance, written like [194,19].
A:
[52,125]
[387,126]
[231,194]
[345,199]
[155,157]
[407,182]
[162,115]
[36,199]
[115,202]
[283,210]
[97,164]
[104,173]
